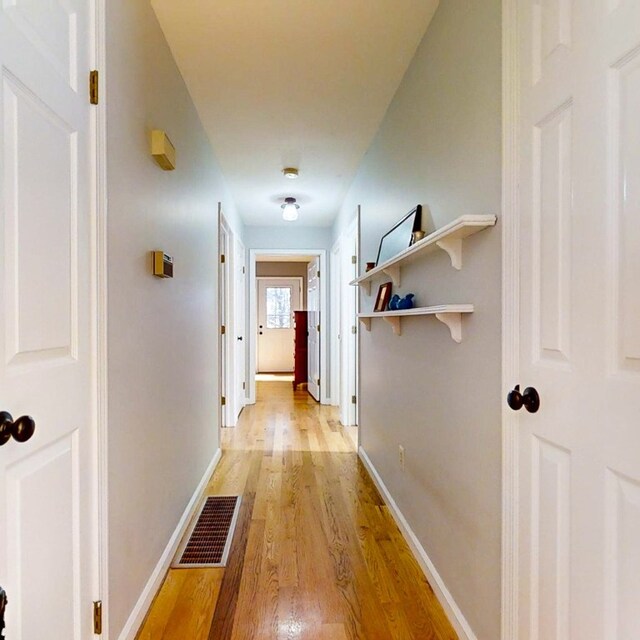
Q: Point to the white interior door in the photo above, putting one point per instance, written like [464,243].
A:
[313,328]
[47,498]
[348,354]
[239,320]
[278,298]
[579,465]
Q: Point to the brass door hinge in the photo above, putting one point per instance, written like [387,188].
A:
[97,617]
[318,274]
[222,258]
[318,328]
[94,79]
[354,259]
[354,329]
[318,381]
[243,271]
[353,400]
[223,401]
[223,330]
[244,386]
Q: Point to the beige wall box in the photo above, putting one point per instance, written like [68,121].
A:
[162,150]
[162,265]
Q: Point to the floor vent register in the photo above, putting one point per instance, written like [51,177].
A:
[208,542]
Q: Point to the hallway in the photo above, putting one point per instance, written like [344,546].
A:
[316,554]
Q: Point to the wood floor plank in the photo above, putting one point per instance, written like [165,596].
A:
[184,606]
[316,554]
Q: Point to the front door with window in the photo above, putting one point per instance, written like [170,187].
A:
[278,298]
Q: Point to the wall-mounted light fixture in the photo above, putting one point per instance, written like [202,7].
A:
[290,172]
[290,209]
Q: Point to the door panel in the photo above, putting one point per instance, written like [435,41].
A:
[240,326]
[40,163]
[579,471]
[278,298]
[47,549]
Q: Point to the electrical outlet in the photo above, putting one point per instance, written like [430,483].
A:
[401,456]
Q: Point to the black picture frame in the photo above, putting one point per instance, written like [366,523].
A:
[400,236]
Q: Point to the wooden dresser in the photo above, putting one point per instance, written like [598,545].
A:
[300,374]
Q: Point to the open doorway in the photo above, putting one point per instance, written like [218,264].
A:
[287,299]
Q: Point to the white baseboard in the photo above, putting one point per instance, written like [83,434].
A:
[157,576]
[462,627]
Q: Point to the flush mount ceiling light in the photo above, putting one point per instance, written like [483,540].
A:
[290,172]
[290,209]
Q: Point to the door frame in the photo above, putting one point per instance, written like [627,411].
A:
[239,325]
[99,319]
[336,325]
[510,316]
[298,279]
[340,325]
[227,379]
[254,255]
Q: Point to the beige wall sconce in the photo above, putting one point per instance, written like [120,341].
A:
[162,150]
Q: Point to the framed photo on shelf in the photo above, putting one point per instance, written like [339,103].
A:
[382,299]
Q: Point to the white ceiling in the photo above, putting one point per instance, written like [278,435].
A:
[302,83]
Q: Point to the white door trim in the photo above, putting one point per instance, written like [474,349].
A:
[254,254]
[336,305]
[510,316]
[99,321]
[226,373]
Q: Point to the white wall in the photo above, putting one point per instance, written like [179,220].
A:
[439,145]
[291,237]
[162,339]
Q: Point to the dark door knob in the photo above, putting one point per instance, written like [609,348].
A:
[240,338]
[21,429]
[529,399]
[3,605]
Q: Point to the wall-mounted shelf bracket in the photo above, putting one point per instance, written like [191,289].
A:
[394,321]
[393,271]
[453,246]
[454,322]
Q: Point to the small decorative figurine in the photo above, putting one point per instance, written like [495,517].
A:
[406,302]
[393,303]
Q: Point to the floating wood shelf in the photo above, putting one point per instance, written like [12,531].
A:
[448,238]
[449,314]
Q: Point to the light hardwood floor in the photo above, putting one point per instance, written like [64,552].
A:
[316,554]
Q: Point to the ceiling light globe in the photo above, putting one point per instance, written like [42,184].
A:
[290,212]
[290,172]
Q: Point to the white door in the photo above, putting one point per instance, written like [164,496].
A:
[348,354]
[239,320]
[278,298]
[47,491]
[313,328]
[579,465]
